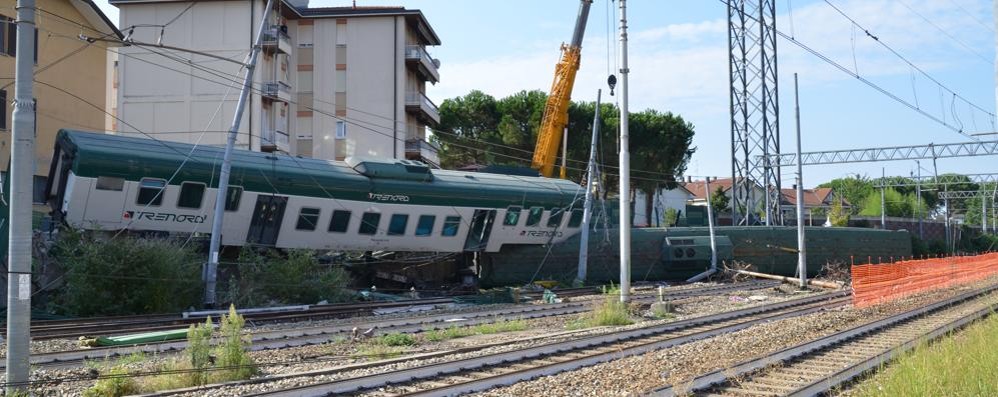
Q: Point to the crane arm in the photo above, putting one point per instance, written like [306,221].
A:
[556,109]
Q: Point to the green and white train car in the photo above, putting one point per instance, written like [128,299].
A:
[110,182]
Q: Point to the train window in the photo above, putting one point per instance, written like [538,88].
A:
[369,223]
[340,221]
[110,183]
[191,195]
[451,224]
[307,219]
[512,216]
[534,217]
[555,219]
[576,219]
[396,227]
[425,225]
[151,191]
[235,193]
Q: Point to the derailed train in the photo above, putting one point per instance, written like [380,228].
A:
[506,226]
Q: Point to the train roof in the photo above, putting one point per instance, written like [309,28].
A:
[364,179]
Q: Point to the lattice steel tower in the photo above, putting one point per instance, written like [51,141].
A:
[755,111]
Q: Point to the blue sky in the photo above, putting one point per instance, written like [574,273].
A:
[678,58]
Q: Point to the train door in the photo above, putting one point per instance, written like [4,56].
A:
[481,228]
[266,222]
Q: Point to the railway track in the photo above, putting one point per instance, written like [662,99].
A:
[304,336]
[822,365]
[497,369]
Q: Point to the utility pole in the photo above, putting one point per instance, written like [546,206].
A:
[580,278]
[984,214]
[564,153]
[883,198]
[211,270]
[918,191]
[801,252]
[625,166]
[710,227]
[22,155]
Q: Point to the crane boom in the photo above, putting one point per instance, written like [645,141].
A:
[556,109]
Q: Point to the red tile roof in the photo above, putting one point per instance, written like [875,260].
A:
[819,197]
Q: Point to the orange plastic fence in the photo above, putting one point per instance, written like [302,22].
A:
[873,284]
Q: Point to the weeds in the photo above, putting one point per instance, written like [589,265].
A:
[395,340]
[612,312]
[377,352]
[481,329]
[198,352]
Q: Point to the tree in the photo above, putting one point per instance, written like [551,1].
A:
[838,216]
[719,202]
[854,190]
[478,129]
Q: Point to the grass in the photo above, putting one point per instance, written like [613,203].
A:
[201,362]
[495,327]
[612,312]
[375,351]
[395,339]
[962,364]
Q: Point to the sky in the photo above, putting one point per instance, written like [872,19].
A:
[679,63]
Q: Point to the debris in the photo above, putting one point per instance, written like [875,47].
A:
[758,298]
[817,283]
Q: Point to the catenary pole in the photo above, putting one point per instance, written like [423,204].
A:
[21,171]
[801,249]
[883,198]
[625,166]
[918,194]
[580,278]
[211,270]
[710,226]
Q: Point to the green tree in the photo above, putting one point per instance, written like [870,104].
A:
[838,216]
[974,208]
[853,189]
[719,202]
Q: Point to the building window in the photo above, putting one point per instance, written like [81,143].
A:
[8,38]
[110,183]
[534,217]
[340,221]
[425,225]
[232,197]
[38,192]
[576,219]
[369,223]
[397,225]
[307,219]
[151,191]
[555,219]
[341,130]
[191,195]
[451,224]
[512,216]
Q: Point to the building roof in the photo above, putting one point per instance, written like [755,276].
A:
[415,17]
[96,18]
[818,197]
[698,188]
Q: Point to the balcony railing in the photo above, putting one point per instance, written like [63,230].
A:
[419,149]
[276,91]
[418,103]
[276,39]
[425,64]
[274,139]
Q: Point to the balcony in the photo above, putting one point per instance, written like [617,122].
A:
[276,40]
[417,57]
[277,91]
[274,140]
[420,150]
[418,104]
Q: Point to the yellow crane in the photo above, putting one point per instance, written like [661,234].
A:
[556,109]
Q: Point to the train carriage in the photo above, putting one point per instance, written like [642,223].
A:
[111,182]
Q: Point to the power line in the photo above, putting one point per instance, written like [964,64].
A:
[856,75]
[903,58]
[972,16]
[947,34]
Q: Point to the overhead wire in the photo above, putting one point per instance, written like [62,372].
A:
[857,76]
[947,34]
[905,59]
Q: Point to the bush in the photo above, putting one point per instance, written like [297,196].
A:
[198,352]
[612,312]
[396,339]
[231,353]
[296,278]
[124,275]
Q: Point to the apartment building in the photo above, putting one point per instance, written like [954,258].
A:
[70,86]
[330,82]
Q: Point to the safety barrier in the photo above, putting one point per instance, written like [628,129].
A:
[878,283]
